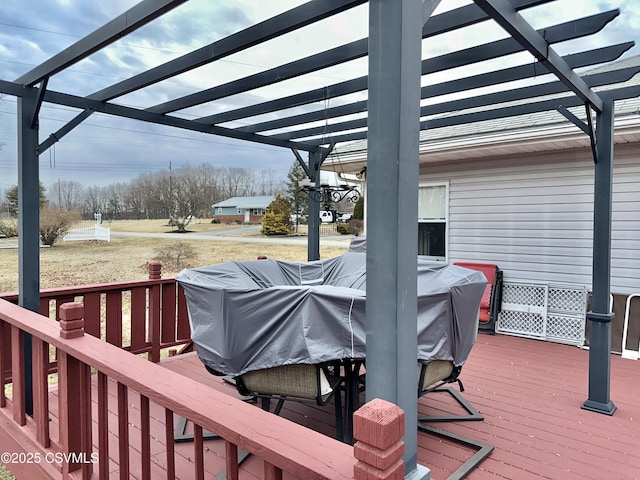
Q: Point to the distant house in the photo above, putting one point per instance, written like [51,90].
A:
[242,209]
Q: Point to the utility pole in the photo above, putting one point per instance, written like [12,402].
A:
[171,206]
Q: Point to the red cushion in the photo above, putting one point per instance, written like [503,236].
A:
[485,302]
[489,269]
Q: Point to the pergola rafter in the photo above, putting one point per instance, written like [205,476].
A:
[279,25]
[134,18]
[577,60]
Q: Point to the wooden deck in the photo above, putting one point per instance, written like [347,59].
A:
[530,393]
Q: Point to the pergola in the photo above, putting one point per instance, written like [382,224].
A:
[390,119]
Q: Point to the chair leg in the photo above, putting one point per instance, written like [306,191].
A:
[179,434]
[279,406]
[483,450]
[473,414]
[337,398]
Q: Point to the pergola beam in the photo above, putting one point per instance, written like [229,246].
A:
[519,29]
[317,115]
[313,63]
[557,33]
[575,60]
[68,100]
[521,72]
[487,100]
[271,28]
[493,114]
[132,19]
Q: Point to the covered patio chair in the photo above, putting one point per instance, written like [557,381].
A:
[298,382]
[492,298]
[432,377]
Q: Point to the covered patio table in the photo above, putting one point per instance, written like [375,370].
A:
[254,315]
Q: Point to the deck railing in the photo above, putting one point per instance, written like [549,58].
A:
[142,317]
[87,335]
[68,451]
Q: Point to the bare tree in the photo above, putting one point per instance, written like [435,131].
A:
[68,195]
[115,194]
[150,187]
[211,179]
[1,98]
[190,196]
[95,201]
[237,182]
[174,193]
[134,202]
[269,184]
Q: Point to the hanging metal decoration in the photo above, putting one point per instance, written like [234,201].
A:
[326,194]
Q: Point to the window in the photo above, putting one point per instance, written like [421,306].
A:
[432,220]
[258,211]
[239,211]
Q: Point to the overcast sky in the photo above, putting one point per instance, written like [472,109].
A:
[104,149]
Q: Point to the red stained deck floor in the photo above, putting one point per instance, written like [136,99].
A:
[529,392]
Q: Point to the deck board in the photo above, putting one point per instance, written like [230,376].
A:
[529,391]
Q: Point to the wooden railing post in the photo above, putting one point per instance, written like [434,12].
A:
[5,360]
[155,270]
[17,376]
[378,427]
[74,380]
[155,273]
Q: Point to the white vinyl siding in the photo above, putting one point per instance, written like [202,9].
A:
[534,216]
[625,237]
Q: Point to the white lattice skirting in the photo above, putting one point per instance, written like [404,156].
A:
[547,312]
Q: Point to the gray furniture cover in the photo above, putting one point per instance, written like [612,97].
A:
[260,314]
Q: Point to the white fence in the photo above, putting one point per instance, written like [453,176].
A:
[95,232]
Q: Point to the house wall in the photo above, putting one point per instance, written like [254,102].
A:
[533,216]
[238,218]
[226,211]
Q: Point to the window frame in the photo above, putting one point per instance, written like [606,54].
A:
[445,184]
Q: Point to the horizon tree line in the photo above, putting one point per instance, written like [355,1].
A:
[172,194]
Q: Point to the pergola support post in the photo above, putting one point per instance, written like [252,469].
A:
[395,28]
[313,220]
[600,317]
[28,221]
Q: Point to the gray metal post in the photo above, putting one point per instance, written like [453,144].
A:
[28,222]
[313,220]
[599,317]
[392,230]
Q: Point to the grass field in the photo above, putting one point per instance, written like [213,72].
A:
[126,259]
